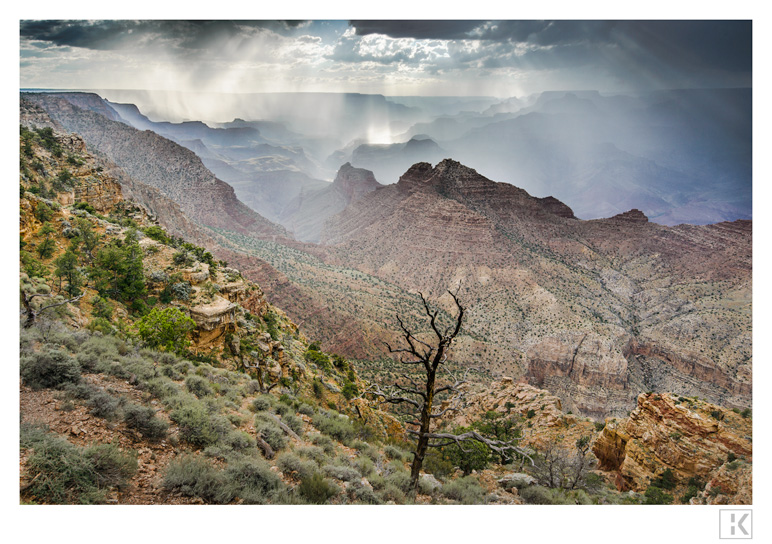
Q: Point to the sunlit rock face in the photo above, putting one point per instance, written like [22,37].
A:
[692,438]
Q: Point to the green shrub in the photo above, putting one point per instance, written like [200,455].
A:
[293,422]
[344,473]
[49,368]
[436,464]
[393,452]
[271,432]
[464,490]
[239,441]
[68,474]
[689,494]
[262,403]
[427,487]
[104,405]
[316,489]
[536,494]
[391,493]
[364,495]
[112,466]
[306,409]
[198,386]
[252,480]
[157,233]
[349,390]
[655,495]
[295,467]
[312,452]
[318,388]
[183,367]
[161,388]
[364,465]
[166,329]
[666,480]
[399,479]
[43,212]
[318,358]
[472,455]
[282,409]
[337,427]
[97,349]
[324,442]
[144,420]
[194,476]
[196,426]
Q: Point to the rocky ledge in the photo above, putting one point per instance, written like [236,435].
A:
[696,440]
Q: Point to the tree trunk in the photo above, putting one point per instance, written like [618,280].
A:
[423,439]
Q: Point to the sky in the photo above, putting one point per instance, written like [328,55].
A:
[500,58]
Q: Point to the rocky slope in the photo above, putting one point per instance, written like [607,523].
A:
[597,311]
[696,440]
[155,161]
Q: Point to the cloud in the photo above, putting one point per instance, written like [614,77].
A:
[419,30]
[340,55]
[116,35]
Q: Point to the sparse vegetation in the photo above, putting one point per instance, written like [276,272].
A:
[68,474]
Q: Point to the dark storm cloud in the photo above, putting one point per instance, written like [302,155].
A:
[537,32]
[420,30]
[720,45]
[723,45]
[120,34]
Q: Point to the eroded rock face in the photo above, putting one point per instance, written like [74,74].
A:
[587,372]
[586,358]
[599,377]
[733,387]
[693,438]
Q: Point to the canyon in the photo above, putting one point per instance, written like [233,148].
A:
[597,311]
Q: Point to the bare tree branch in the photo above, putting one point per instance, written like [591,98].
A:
[32,313]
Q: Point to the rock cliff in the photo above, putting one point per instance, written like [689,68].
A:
[692,438]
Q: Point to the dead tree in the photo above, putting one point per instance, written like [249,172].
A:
[33,313]
[423,397]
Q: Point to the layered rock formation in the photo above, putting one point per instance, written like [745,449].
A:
[692,438]
[660,308]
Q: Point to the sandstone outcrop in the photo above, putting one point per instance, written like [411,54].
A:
[692,438]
